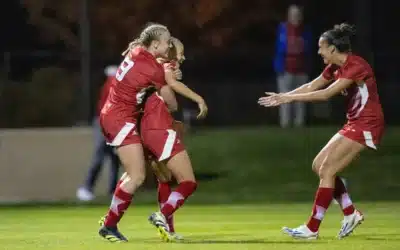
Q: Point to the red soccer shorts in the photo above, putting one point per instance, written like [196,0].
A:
[369,136]
[163,144]
[119,132]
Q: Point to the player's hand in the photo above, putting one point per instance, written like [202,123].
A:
[178,74]
[273,99]
[203,109]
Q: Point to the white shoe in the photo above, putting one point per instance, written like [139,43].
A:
[349,223]
[158,220]
[83,194]
[301,232]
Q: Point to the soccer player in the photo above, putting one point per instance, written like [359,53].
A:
[171,66]
[352,76]
[160,137]
[138,72]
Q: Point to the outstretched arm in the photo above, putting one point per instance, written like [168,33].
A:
[185,91]
[318,95]
[317,83]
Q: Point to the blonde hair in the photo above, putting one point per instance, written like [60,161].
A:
[152,32]
[173,50]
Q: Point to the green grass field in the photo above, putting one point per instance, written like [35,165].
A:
[205,227]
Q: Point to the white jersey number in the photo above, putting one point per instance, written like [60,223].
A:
[125,66]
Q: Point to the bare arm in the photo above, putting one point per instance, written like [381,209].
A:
[322,95]
[318,95]
[181,88]
[169,98]
[317,83]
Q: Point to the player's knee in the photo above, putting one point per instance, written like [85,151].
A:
[186,177]
[316,165]
[133,182]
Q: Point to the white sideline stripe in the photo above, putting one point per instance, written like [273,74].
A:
[120,137]
[169,144]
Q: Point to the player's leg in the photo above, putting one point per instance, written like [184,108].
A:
[339,155]
[167,147]
[131,157]
[331,145]
[130,153]
[181,169]
[114,169]
[164,177]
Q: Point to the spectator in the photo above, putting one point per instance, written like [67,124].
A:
[85,193]
[290,63]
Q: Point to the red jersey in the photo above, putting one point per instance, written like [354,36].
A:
[105,90]
[159,135]
[138,72]
[363,104]
[156,114]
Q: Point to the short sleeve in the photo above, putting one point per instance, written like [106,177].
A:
[355,71]
[328,72]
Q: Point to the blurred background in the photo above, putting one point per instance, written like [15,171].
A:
[55,59]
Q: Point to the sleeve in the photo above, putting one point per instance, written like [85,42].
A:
[355,71]
[328,72]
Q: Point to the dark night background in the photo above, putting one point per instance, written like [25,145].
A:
[229,46]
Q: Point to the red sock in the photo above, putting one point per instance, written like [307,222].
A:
[342,197]
[323,199]
[120,202]
[178,197]
[164,191]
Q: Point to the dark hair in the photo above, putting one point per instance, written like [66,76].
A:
[340,36]
[151,32]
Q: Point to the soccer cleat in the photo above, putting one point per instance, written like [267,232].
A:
[301,232]
[157,219]
[349,223]
[112,234]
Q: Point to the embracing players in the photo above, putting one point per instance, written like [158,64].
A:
[352,76]
[140,74]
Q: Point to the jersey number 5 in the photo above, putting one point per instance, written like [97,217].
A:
[125,66]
